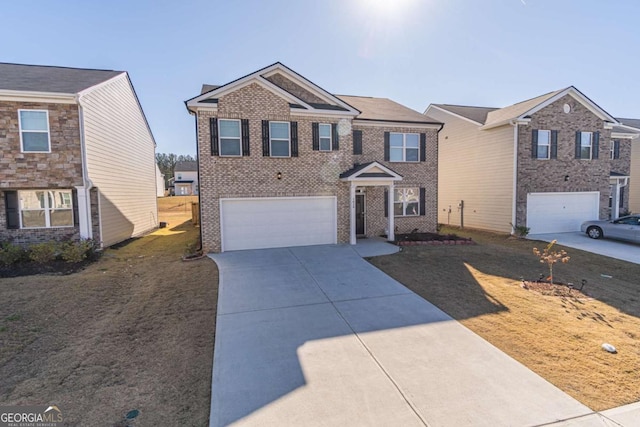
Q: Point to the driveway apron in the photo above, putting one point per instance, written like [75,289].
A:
[317,336]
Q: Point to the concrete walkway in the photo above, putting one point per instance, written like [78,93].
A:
[313,336]
[611,248]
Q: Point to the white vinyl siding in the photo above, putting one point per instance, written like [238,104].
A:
[120,160]
[477,167]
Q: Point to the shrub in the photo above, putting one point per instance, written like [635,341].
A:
[520,230]
[11,254]
[76,251]
[43,253]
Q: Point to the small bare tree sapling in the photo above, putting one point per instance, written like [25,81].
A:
[550,256]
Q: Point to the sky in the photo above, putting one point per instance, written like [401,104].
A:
[471,52]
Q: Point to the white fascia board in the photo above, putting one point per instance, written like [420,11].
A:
[451,114]
[620,135]
[578,96]
[628,127]
[382,123]
[104,83]
[242,83]
[32,96]
[327,113]
[373,182]
[510,122]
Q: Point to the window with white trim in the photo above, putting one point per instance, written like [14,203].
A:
[544,144]
[404,147]
[325,136]
[586,144]
[229,136]
[45,208]
[406,202]
[279,139]
[34,131]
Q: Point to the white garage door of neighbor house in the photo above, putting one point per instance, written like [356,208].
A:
[259,223]
[560,212]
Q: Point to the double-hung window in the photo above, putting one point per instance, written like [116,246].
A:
[230,137]
[404,147]
[279,139]
[406,202]
[34,131]
[615,149]
[325,136]
[586,144]
[544,144]
[46,208]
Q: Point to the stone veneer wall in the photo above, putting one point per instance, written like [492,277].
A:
[536,175]
[61,168]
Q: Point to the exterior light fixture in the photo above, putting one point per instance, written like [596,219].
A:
[279,175]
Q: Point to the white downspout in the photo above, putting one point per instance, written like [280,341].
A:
[514,123]
[83,191]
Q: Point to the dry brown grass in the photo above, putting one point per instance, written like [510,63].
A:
[134,330]
[559,338]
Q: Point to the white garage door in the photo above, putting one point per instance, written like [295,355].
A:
[259,223]
[560,212]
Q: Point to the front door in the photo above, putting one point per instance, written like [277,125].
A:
[360,228]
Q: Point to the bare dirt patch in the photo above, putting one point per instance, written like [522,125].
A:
[557,336]
[133,331]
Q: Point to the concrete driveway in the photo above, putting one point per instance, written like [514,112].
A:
[611,248]
[315,335]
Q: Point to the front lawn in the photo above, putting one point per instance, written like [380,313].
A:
[558,337]
[133,331]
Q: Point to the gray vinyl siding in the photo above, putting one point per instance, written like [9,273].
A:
[475,166]
[120,155]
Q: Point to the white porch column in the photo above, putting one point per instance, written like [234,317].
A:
[391,236]
[615,202]
[84,212]
[352,213]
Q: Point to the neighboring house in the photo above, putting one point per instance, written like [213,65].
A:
[633,126]
[285,163]
[185,178]
[547,163]
[76,154]
[159,182]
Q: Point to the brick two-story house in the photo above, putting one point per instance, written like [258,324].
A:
[547,163]
[76,156]
[282,162]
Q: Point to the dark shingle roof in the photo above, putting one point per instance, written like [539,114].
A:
[383,109]
[477,114]
[208,88]
[41,78]
[186,166]
[635,123]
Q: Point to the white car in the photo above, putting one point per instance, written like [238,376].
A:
[623,228]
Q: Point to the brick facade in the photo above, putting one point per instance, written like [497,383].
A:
[565,173]
[312,173]
[59,169]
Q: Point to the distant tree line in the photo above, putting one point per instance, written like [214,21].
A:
[166,163]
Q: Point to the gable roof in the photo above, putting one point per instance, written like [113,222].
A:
[303,95]
[51,79]
[475,114]
[186,166]
[384,109]
[370,171]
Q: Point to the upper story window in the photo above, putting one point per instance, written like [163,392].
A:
[586,145]
[544,144]
[279,139]
[615,149]
[34,131]
[404,147]
[45,209]
[230,137]
[325,136]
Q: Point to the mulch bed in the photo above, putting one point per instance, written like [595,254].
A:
[30,268]
[554,289]
[431,239]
